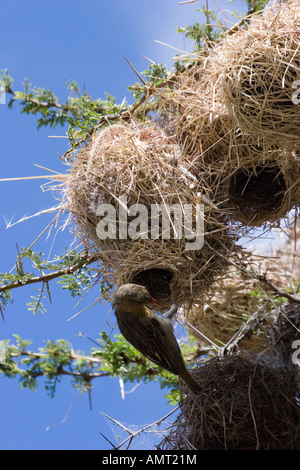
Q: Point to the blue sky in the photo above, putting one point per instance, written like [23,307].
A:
[51,43]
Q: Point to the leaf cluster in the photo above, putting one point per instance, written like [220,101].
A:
[79,111]
[205,35]
[71,269]
[57,359]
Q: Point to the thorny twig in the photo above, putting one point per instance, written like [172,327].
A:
[247,328]
[84,261]
[133,434]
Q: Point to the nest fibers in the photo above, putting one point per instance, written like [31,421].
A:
[236,307]
[129,164]
[258,71]
[246,403]
[241,309]
[253,181]
[248,400]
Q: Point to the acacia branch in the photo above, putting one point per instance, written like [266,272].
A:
[42,104]
[72,356]
[49,277]
[126,114]
[246,18]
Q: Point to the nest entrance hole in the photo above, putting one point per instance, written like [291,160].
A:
[156,280]
[257,194]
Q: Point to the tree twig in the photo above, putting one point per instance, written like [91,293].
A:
[247,328]
[49,277]
[133,434]
[276,290]
[238,25]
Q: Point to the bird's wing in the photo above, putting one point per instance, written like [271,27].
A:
[165,348]
[155,341]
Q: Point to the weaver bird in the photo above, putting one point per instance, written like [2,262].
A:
[150,334]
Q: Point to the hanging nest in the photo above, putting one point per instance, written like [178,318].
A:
[250,399]
[246,403]
[256,71]
[250,180]
[127,164]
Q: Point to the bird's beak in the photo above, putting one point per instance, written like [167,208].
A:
[153,301]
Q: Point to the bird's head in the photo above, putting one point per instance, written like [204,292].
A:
[133,294]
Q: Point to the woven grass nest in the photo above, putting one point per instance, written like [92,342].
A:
[139,162]
[246,403]
[252,181]
[249,400]
[257,71]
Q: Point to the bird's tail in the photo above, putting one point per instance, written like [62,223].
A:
[190,381]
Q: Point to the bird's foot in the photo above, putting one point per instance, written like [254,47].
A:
[174,290]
